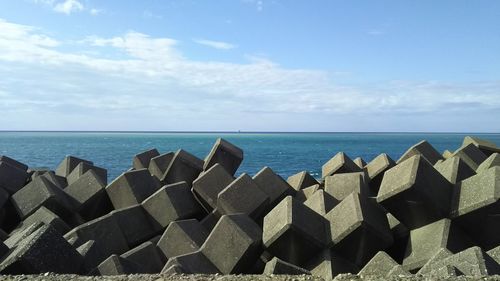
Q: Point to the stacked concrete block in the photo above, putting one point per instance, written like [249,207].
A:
[382,265]
[234,245]
[208,185]
[147,256]
[82,168]
[182,237]
[454,169]
[476,207]
[58,181]
[226,154]
[13,163]
[376,169]
[425,150]
[116,265]
[471,155]
[158,165]
[342,185]
[340,163]
[44,215]
[243,195]
[91,255]
[492,161]
[273,185]
[415,193]
[301,180]
[131,188]
[400,233]
[135,224]
[360,162]
[183,167]
[435,262]
[68,164]
[359,229]
[321,202]
[328,264]
[447,154]
[170,203]
[195,262]
[141,160]
[306,193]
[292,223]
[487,147]
[12,178]
[277,266]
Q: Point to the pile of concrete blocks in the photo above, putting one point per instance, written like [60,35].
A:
[427,213]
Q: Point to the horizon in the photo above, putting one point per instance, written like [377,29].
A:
[250,65]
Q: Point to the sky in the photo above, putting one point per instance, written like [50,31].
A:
[250,65]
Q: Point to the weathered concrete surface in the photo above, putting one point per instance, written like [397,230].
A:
[424,149]
[226,154]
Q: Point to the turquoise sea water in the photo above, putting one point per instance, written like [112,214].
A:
[286,153]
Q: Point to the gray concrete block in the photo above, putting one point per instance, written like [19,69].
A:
[485,146]
[45,216]
[400,233]
[12,179]
[415,193]
[41,192]
[234,245]
[424,149]
[342,185]
[90,193]
[68,164]
[116,265]
[492,161]
[17,236]
[381,265]
[292,223]
[141,160]
[306,193]
[398,271]
[321,202]
[82,168]
[210,220]
[183,167]
[454,169]
[106,233]
[158,165]
[471,262]
[170,203]
[44,250]
[226,154]
[191,263]
[476,207]
[359,229]
[182,237]
[147,256]
[131,188]
[135,224]
[14,163]
[329,264]
[471,155]
[91,254]
[243,195]
[301,180]
[495,253]
[174,269]
[273,185]
[208,185]
[435,262]
[360,162]
[277,266]
[446,271]
[447,154]
[58,181]
[425,241]
[340,163]
[376,169]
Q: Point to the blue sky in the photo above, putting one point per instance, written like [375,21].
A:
[255,65]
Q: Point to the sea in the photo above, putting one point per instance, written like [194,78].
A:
[285,153]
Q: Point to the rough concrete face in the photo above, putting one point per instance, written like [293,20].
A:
[400,233]
[471,155]
[116,265]
[329,264]
[424,149]
[234,245]
[158,165]
[277,266]
[292,223]
[41,192]
[485,146]
[58,181]
[306,193]
[376,169]
[141,160]
[492,161]
[45,250]
[301,180]
[147,256]
[415,193]
[12,179]
[243,195]
[360,162]
[183,167]
[342,185]
[381,265]
[321,202]
[208,185]
[435,262]
[426,240]
[170,203]
[454,169]
[68,164]
[82,168]
[182,237]
[131,188]
[359,229]
[134,223]
[340,163]
[476,207]
[13,163]
[47,217]
[90,253]
[194,262]
[273,185]
[226,154]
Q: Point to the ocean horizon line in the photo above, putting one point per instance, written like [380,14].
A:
[237,132]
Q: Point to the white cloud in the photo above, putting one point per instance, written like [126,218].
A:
[68,6]
[95,11]
[153,86]
[215,44]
